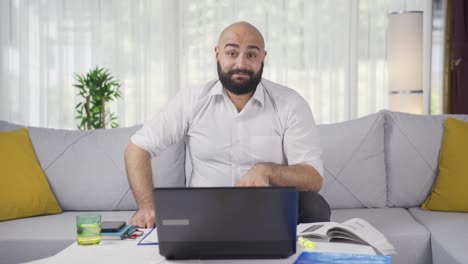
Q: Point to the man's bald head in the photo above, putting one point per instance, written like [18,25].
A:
[240,54]
[242,30]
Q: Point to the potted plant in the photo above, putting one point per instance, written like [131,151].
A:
[96,88]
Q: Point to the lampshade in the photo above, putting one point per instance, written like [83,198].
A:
[405,61]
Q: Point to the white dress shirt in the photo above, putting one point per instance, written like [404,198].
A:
[276,125]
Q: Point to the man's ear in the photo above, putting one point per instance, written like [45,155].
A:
[216,50]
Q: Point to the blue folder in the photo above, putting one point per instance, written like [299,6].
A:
[338,258]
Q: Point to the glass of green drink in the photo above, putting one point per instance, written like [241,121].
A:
[88,229]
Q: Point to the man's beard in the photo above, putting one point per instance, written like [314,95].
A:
[238,86]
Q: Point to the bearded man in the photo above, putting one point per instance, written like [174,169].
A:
[240,130]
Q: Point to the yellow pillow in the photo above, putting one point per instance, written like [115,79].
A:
[450,191]
[24,190]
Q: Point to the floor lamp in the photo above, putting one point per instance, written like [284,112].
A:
[405,61]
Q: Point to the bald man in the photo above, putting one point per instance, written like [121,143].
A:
[241,130]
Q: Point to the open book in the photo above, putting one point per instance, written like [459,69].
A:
[354,230]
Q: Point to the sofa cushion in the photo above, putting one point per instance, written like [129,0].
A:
[449,234]
[24,190]
[412,144]
[43,236]
[410,239]
[353,159]
[449,191]
[86,169]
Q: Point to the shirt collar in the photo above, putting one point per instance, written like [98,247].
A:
[217,89]
[259,94]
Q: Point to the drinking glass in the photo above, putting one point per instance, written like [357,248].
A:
[88,229]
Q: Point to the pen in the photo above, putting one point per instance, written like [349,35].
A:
[305,242]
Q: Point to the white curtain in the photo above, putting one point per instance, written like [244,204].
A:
[332,52]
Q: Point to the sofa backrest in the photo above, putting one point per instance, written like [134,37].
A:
[383,159]
[86,169]
[353,160]
[412,145]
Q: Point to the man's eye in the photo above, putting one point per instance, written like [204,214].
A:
[252,55]
[232,54]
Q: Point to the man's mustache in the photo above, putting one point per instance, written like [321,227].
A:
[236,71]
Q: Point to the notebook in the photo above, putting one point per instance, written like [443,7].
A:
[226,222]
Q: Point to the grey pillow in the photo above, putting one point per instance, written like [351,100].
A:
[412,145]
[86,169]
[354,166]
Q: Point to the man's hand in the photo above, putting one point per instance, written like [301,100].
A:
[144,218]
[302,176]
[257,176]
[138,165]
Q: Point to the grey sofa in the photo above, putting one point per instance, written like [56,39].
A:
[380,167]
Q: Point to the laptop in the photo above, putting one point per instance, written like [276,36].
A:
[226,222]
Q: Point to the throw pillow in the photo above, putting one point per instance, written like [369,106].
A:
[449,191]
[24,190]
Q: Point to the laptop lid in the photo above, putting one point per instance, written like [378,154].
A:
[226,222]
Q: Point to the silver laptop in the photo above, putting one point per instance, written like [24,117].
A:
[226,222]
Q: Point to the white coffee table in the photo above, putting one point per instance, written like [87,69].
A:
[129,252]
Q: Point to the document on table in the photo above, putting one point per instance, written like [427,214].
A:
[150,238]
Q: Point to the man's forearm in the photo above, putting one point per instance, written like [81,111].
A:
[302,176]
[138,164]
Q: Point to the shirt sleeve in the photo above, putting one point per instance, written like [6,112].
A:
[301,138]
[167,128]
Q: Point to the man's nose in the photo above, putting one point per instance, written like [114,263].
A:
[242,62]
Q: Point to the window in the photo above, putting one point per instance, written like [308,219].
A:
[332,52]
